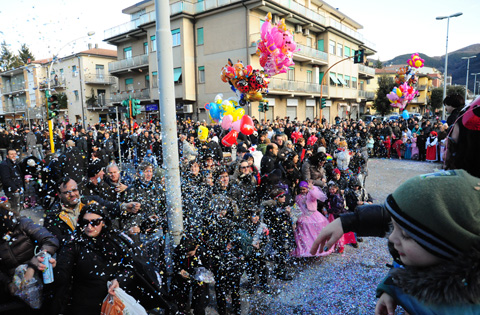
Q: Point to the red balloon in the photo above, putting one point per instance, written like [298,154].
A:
[230,139]
[246,125]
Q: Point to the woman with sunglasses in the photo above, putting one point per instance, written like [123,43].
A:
[98,254]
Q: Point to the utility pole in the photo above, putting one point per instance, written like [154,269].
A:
[166,91]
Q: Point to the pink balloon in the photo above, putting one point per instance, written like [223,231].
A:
[246,125]
[227,122]
[236,125]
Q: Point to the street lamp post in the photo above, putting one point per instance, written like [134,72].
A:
[50,121]
[468,70]
[446,58]
[475,85]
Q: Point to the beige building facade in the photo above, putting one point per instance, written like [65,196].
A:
[207,33]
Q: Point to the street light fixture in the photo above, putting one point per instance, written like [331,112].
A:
[446,58]
[50,122]
[475,85]
[468,70]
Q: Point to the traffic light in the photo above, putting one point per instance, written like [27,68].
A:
[135,107]
[260,107]
[359,56]
[266,107]
[324,103]
[52,105]
[126,103]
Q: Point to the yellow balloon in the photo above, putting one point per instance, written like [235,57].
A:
[238,114]
[202,133]
[399,93]
[418,63]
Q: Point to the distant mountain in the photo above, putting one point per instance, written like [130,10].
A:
[457,67]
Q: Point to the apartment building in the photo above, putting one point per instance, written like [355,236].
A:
[84,80]
[82,77]
[207,33]
[21,100]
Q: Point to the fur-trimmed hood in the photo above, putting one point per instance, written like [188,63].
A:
[453,282]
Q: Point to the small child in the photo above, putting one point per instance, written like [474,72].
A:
[436,236]
[408,150]
[370,144]
[388,144]
[336,206]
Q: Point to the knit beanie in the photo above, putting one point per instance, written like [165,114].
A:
[440,211]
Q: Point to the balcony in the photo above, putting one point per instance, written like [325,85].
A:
[282,85]
[351,32]
[369,96]
[129,26]
[100,79]
[143,94]
[298,8]
[310,55]
[14,87]
[422,87]
[366,72]
[126,64]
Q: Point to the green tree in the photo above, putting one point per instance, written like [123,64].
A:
[455,89]
[436,98]
[24,54]
[385,86]
[62,100]
[378,64]
[8,60]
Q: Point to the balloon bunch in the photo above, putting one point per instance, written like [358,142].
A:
[400,96]
[275,47]
[406,78]
[231,117]
[247,83]
[415,61]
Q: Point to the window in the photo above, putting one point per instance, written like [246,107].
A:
[331,47]
[201,74]
[129,84]
[101,97]
[61,72]
[320,45]
[74,71]
[362,86]
[292,112]
[76,95]
[320,77]
[309,41]
[177,75]
[100,70]
[145,48]
[147,81]
[354,82]
[176,37]
[347,81]
[333,79]
[200,36]
[155,79]
[340,79]
[339,50]
[347,51]
[309,76]
[291,74]
[153,40]
[127,52]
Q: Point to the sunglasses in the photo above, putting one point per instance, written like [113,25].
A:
[85,223]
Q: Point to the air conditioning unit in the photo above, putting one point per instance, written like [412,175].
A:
[188,109]
[306,32]
[275,19]
[298,29]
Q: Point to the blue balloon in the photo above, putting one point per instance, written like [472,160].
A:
[405,114]
[215,111]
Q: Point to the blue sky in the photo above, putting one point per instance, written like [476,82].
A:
[397,27]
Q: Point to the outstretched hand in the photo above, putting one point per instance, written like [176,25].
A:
[327,237]
[385,305]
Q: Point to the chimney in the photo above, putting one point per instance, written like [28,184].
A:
[89,46]
[96,45]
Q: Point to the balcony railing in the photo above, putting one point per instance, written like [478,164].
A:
[11,109]
[422,87]
[366,94]
[124,64]
[100,79]
[295,86]
[351,32]
[137,94]
[367,70]
[129,26]
[311,53]
[10,88]
[297,7]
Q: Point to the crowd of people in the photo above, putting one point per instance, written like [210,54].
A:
[258,204]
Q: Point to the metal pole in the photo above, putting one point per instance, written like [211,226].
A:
[445,72]
[475,86]
[81,90]
[468,71]
[50,121]
[118,136]
[168,118]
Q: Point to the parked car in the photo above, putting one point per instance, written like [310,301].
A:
[392,117]
[417,116]
[367,118]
